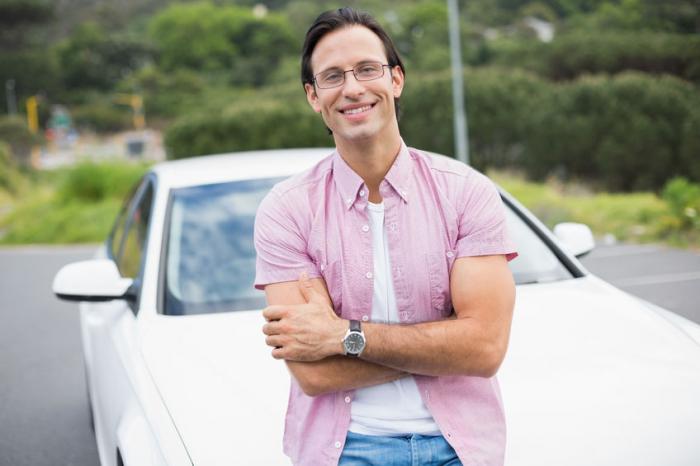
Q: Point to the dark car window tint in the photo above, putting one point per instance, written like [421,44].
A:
[210,261]
[129,262]
[115,238]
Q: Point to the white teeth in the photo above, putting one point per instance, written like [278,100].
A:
[357,110]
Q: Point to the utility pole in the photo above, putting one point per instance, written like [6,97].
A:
[10,95]
[460,115]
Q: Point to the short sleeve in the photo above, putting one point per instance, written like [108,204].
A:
[280,244]
[483,229]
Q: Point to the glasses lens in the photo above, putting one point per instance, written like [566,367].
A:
[368,71]
[330,78]
[336,77]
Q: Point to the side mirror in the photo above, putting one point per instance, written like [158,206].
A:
[93,280]
[576,238]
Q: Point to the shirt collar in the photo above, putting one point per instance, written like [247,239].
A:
[349,182]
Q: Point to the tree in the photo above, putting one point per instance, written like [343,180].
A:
[92,59]
[203,36]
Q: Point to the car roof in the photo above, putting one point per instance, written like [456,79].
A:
[220,168]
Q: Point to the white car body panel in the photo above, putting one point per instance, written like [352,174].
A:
[611,382]
[225,392]
[592,377]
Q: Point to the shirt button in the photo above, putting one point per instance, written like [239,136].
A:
[323,267]
[349,200]
[337,444]
[450,254]
[368,275]
[365,228]
[365,318]
[362,192]
[347,399]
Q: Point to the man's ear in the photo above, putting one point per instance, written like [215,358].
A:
[397,80]
[312,97]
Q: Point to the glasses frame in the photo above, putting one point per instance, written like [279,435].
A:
[353,73]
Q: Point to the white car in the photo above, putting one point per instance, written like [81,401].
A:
[178,372]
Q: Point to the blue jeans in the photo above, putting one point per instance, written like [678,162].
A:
[406,450]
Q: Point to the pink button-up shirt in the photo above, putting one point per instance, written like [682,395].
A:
[436,210]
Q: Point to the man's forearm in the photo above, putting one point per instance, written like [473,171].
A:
[446,347]
[337,373]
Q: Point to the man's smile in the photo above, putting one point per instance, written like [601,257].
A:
[357,109]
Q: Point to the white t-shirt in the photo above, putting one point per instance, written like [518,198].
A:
[392,408]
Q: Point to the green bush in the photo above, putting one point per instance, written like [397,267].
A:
[594,51]
[498,101]
[683,199]
[9,175]
[627,132]
[102,116]
[14,131]
[95,182]
[247,126]
[166,94]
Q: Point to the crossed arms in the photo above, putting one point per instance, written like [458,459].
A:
[304,330]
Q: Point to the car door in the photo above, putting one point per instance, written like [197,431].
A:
[110,330]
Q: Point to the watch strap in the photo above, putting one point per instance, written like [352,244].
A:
[355,326]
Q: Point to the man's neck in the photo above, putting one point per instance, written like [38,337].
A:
[371,159]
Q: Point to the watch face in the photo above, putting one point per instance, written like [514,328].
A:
[354,343]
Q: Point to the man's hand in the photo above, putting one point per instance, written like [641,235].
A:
[304,332]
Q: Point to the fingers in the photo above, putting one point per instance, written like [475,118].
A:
[278,353]
[273,313]
[276,341]
[276,328]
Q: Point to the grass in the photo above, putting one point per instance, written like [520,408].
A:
[631,217]
[71,205]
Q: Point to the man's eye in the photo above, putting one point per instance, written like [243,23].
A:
[367,70]
[333,77]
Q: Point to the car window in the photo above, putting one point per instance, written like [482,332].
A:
[115,238]
[129,259]
[536,263]
[210,258]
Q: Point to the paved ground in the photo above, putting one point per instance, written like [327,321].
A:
[667,277]
[43,405]
[42,390]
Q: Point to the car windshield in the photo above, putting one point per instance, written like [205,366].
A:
[210,257]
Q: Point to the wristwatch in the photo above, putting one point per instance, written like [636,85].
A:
[354,340]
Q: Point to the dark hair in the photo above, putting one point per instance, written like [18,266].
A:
[332,20]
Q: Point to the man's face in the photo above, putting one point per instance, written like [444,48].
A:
[356,110]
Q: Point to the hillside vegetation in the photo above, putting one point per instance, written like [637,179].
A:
[609,101]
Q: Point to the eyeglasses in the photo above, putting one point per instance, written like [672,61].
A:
[363,72]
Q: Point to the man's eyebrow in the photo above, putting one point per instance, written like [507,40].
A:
[361,62]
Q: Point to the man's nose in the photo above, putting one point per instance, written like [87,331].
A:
[351,86]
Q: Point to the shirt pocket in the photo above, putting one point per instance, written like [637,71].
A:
[332,273]
[439,278]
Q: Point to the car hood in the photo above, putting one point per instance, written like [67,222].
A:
[226,395]
[592,377]
[595,377]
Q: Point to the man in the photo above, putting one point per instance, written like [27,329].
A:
[385,270]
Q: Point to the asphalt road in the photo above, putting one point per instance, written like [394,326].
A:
[666,277]
[43,404]
[42,387]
